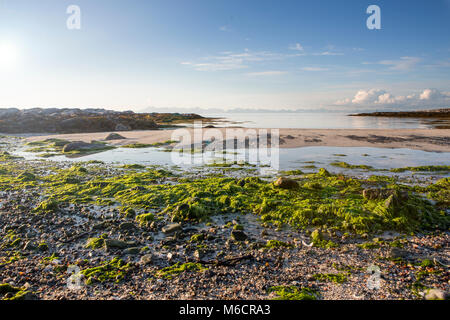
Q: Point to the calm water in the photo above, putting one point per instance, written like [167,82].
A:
[292,158]
[322,121]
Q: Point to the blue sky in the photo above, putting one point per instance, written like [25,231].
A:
[225,54]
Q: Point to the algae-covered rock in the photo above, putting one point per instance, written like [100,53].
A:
[286,183]
[238,235]
[49,205]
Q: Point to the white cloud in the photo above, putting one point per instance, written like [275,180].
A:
[402,64]
[266,73]
[297,47]
[328,53]
[428,98]
[233,61]
[314,69]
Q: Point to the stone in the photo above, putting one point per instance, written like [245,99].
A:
[385,194]
[114,136]
[171,228]
[30,245]
[82,146]
[238,235]
[436,294]
[132,251]
[146,259]
[126,226]
[286,183]
[115,244]
[397,253]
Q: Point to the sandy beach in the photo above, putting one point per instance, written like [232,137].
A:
[419,139]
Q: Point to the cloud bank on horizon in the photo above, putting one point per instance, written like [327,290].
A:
[381,99]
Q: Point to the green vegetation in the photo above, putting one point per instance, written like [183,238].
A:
[114,270]
[293,293]
[12,293]
[176,269]
[136,145]
[338,278]
[442,168]
[323,201]
[278,244]
[350,166]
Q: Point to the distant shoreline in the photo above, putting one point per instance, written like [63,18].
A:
[436,113]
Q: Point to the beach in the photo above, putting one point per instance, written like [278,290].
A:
[417,139]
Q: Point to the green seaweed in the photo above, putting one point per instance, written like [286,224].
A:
[293,293]
[178,268]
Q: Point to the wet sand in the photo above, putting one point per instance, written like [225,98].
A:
[419,139]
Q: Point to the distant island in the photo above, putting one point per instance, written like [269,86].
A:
[54,120]
[436,113]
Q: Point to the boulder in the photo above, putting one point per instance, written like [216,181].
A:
[82,146]
[286,183]
[146,259]
[238,235]
[115,244]
[114,136]
[171,228]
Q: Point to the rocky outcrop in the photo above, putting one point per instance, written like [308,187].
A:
[436,113]
[54,120]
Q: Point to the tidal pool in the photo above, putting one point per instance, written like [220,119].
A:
[305,158]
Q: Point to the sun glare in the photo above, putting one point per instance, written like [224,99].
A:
[8,56]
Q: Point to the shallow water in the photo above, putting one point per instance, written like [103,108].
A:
[306,158]
[323,120]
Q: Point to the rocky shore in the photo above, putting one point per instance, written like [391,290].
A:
[53,120]
[95,231]
[435,113]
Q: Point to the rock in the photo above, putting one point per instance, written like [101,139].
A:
[171,228]
[100,226]
[238,235]
[397,253]
[114,136]
[115,244]
[30,245]
[122,127]
[286,183]
[82,146]
[146,259]
[132,251]
[437,294]
[381,194]
[126,226]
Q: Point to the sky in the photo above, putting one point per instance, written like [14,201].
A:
[225,54]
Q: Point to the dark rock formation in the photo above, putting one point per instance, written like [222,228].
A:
[54,120]
[436,113]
